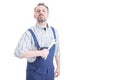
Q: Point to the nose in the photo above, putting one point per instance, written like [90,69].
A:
[41,12]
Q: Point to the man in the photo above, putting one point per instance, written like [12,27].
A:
[39,52]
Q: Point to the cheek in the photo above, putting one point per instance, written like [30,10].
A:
[46,16]
[36,15]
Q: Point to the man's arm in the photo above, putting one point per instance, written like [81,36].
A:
[24,48]
[34,53]
[57,72]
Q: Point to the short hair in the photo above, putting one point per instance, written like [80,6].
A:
[42,4]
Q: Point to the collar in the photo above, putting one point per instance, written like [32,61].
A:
[41,27]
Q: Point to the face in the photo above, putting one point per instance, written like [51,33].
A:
[41,14]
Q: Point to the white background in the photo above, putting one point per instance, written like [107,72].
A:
[89,32]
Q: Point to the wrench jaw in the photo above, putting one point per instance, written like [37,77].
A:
[53,42]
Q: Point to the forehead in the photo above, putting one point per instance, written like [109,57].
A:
[41,7]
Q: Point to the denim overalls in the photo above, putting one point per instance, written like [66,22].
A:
[41,69]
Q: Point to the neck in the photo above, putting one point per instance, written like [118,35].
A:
[43,24]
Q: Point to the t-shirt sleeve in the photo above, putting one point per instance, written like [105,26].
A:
[57,48]
[24,44]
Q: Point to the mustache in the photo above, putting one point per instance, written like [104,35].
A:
[41,15]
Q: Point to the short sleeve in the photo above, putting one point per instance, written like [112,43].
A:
[57,48]
[24,44]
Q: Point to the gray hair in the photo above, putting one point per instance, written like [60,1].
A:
[42,4]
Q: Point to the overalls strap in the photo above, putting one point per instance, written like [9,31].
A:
[35,39]
[54,33]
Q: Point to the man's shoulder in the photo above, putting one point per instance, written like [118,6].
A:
[52,27]
[33,28]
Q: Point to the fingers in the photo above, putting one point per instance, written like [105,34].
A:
[45,53]
[57,72]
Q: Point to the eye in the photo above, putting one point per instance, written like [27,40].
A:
[43,11]
[38,11]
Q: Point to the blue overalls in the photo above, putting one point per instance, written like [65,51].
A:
[41,69]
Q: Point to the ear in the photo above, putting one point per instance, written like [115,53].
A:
[47,16]
[34,16]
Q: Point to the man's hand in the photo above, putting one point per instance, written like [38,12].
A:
[57,72]
[44,53]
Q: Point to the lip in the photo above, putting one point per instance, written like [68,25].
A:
[41,16]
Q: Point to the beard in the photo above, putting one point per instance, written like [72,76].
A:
[41,19]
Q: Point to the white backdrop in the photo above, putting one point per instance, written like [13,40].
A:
[89,33]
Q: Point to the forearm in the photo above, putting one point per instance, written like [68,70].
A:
[57,58]
[57,71]
[31,53]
